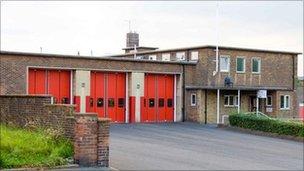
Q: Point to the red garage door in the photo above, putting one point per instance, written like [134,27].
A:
[53,82]
[157,104]
[108,91]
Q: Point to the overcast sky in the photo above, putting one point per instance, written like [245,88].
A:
[68,27]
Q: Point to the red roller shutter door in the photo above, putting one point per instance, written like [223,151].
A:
[169,101]
[97,98]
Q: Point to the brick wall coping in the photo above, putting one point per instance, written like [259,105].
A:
[104,119]
[25,95]
[68,105]
[86,114]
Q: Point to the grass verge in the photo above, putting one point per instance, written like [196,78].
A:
[27,148]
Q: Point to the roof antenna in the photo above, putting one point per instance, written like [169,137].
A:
[91,52]
[78,53]
[40,49]
[129,22]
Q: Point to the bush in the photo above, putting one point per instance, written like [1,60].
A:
[32,148]
[254,122]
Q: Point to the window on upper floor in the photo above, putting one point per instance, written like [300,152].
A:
[193,99]
[194,55]
[256,65]
[180,56]
[284,102]
[240,65]
[166,56]
[152,57]
[224,63]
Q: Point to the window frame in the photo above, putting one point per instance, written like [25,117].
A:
[180,59]
[225,56]
[154,57]
[191,55]
[267,101]
[284,101]
[259,65]
[244,64]
[191,99]
[234,99]
[164,54]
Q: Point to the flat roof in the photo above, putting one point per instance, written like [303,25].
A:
[211,46]
[95,57]
[140,47]
[236,88]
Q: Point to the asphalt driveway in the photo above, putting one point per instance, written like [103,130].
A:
[180,146]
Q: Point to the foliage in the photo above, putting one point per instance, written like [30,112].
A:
[32,148]
[253,122]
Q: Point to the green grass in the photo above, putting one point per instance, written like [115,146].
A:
[26,148]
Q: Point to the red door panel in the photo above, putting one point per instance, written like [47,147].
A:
[37,81]
[169,116]
[120,97]
[64,89]
[151,98]
[54,85]
[111,96]
[161,97]
[97,98]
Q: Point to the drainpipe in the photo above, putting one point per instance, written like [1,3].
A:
[184,92]
[217,40]
[205,106]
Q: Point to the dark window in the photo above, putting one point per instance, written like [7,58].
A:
[65,100]
[170,102]
[111,102]
[151,102]
[161,102]
[282,102]
[100,102]
[91,102]
[121,102]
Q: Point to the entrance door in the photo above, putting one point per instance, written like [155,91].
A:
[253,105]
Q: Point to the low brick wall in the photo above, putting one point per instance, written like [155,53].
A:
[89,134]
[37,111]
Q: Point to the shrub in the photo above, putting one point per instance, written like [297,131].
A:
[254,122]
[32,148]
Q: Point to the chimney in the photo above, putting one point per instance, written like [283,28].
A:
[132,40]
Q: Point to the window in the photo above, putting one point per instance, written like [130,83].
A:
[285,102]
[161,102]
[231,100]
[240,65]
[224,63]
[180,56]
[194,55]
[121,102]
[269,101]
[170,103]
[256,65]
[111,102]
[152,57]
[193,99]
[151,102]
[166,57]
[139,57]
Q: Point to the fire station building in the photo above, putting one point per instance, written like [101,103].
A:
[146,84]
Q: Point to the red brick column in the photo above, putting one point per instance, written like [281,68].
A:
[103,142]
[85,140]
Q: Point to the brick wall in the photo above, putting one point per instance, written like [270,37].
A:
[37,111]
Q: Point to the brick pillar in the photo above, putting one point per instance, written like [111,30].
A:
[85,140]
[103,142]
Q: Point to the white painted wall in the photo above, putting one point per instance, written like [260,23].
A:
[137,80]
[82,81]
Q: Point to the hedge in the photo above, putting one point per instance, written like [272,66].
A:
[264,124]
